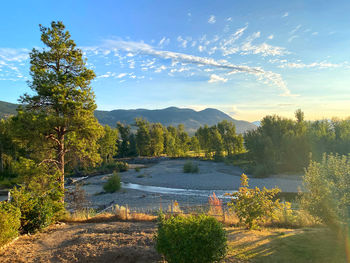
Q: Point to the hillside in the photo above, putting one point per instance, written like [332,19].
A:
[170,116]
[7,109]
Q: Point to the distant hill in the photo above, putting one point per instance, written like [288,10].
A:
[170,116]
[7,109]
[257,123]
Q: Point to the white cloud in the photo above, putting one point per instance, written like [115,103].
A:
[182,41]
[229,19]
[201,48]
[160,69]
[215,78]
[121,75]
[285,14]
[270,37]
[295,30]
[292,38]
[212,19]
[320,65]
[264,49]
[145,49]
[164,41]
[314,33]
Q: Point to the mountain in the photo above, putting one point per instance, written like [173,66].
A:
[7,109]
[170,116]
[257,123]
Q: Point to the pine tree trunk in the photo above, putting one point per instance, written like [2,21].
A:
[60,157]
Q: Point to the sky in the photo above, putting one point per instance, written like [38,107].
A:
[247,58]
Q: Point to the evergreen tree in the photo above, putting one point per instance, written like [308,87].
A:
[60,113]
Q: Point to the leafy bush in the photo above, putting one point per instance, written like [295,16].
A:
[40,197]
[113,184]
[122,166]
[253,206]
[193,239]
[37,211]
[328,188]
[9,222]
[190,167]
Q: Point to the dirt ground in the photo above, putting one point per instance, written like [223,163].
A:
[122,242]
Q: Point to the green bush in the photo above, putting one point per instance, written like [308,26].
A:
[254,206]
[193,239]
[113,184]
[190,167]
[122,166]
[37,211]
[9,222]
[328,188]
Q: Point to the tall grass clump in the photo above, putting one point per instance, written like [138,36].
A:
[192,239]
[190,167]
[9,222]
[113,184]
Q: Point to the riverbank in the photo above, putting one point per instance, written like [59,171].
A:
[158,184]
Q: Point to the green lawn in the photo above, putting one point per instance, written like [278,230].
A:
[285,245]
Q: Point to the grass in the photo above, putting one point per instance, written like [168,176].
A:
[285,245]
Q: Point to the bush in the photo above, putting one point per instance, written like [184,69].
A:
[37,211]
[328,188]
[113,184]
[9,222]
[254,206]
[190,167]
[122,166]
[193,239]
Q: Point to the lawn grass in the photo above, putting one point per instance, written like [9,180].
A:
[285,245]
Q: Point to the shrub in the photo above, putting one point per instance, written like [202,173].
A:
[113,184]
[37,211]
[9,222]
[193,239]
[254,206]
[328,188]
[122,166]
[190,167]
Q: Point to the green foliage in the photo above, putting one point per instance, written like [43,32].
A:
[190,167]
[328,189]
[113,184]
[191,239]
[39,197]
[254,206]
[9,222]
[122,166]
[57,120]
[108,144]
[157,139]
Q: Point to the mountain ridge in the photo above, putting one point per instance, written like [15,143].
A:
[191,119]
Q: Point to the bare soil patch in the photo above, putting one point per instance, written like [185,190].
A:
[123,242]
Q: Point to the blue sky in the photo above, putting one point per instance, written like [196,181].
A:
[247,58]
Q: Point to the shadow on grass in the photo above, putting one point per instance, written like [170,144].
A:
[307,245]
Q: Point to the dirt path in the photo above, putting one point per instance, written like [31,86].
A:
[122,242]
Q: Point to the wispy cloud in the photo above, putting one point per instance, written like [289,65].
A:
[212,19]
[145,49]
[215,78]
[285,14]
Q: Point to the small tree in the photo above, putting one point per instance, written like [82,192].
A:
[253,206]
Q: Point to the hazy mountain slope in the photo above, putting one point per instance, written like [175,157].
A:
[7,109]
[172,116]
